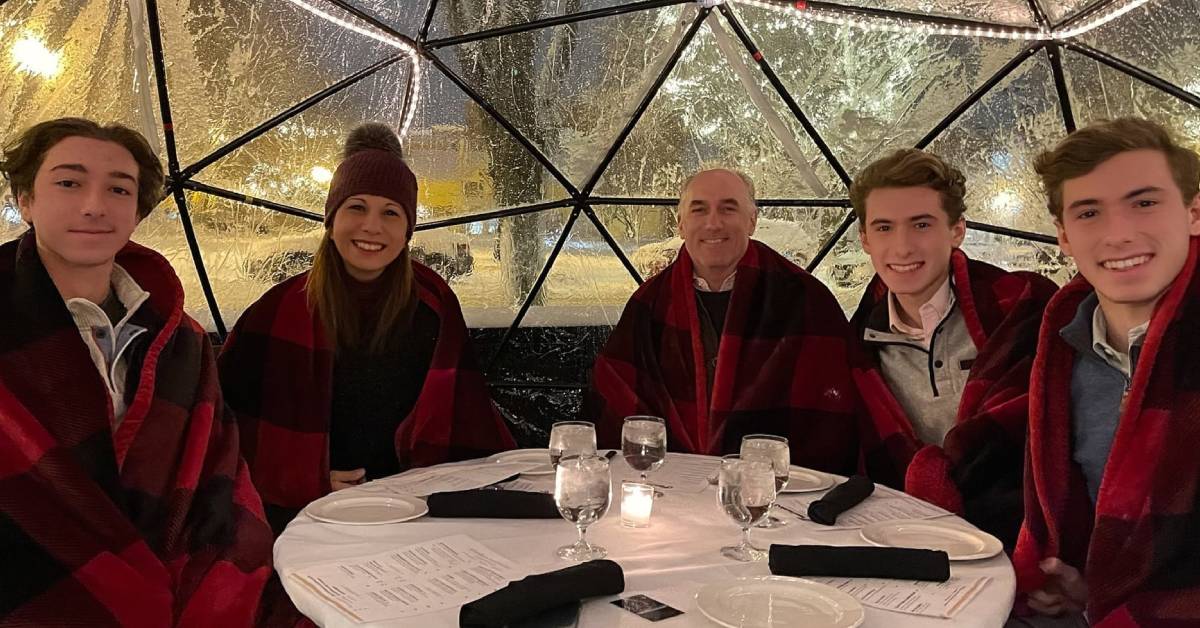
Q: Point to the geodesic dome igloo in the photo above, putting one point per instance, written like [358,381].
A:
[550,136]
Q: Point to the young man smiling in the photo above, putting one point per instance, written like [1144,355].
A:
[1112,490]
[946,346]
[123,500]
[730,339]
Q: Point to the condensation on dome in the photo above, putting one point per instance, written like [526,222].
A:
[549,151]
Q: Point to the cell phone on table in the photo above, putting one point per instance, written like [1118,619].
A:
[565,616]
[647,607]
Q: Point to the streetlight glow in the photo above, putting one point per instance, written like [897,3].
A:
[32,56]
[1005,201]
[321,174]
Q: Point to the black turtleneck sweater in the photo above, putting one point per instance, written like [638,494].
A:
[712,307]
[374,392]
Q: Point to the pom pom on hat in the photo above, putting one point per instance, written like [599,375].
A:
[372,136]
[373,163]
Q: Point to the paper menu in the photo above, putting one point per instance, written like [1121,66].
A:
[929,599]
[684,473]
[531,486]
[425,482]
[689,474]
[408,581]
[880,506]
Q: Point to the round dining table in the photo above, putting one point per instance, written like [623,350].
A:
[672,559]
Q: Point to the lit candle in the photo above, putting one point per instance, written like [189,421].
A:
[636,502]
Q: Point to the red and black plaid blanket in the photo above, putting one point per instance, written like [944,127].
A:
[781,368]
[154,525]
[1140,552]
[978,470]
[277,373]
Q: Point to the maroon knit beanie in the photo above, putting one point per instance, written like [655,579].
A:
[373,163]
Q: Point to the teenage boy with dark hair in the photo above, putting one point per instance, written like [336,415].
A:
[123,499]
[946,344]
[1112,490]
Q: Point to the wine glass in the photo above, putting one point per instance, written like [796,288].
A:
[773,450]
[582,492]
[644,443]
[745,491]
[571,438]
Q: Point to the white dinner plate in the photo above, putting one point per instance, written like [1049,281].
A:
[528,455]
[366,510]
[771,601]
[801,480]
[959,542]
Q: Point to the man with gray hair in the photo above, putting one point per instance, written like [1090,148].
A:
[730,339]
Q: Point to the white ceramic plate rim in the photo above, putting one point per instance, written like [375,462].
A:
[709,593]
[318,509]
[514,455]
[874,532]
[826,481]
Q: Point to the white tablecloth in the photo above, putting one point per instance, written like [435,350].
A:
[668,561]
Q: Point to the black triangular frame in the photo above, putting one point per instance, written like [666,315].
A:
[581,199]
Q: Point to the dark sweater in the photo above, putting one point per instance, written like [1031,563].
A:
[373,393]
[711,307]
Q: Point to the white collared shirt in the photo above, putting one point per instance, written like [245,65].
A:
[107,343]
[701,283]
[1116,359]
[932,313]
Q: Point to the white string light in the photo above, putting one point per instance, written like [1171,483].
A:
[914,25]
[386,39]
[828,16]
[1099,20]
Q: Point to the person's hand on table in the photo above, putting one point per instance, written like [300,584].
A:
[1065,589]
[345,479]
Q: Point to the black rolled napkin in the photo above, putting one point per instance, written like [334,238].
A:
[898,563]
[843,497]
[492,504]
[536,594]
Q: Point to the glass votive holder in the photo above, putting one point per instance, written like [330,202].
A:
[636,502]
